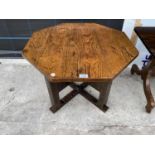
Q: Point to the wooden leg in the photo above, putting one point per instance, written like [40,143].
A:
[104,89]
[147,90]
[54,89]
[145,75]
[135,69]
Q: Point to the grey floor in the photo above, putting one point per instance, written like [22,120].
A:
[24,106]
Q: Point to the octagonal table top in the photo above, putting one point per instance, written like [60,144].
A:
[79,52]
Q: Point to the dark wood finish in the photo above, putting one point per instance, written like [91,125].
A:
[57,103]
[68,50]
[86,52]
[147,36]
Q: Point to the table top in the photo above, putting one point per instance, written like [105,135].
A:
[79,52]
[147,36]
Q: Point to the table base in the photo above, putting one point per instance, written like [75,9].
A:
[145,74]
[54,89]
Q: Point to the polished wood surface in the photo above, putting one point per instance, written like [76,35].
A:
[147,36]
[79,52]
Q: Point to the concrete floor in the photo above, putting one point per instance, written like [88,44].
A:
[24,106]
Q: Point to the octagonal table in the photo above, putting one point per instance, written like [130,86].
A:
[81,52]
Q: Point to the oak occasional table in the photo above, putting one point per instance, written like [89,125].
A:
[147,36]
[81,52]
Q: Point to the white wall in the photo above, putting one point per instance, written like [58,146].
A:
[128,29]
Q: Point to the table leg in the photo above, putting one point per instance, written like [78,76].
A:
[147,91]
[54,89]
[104,89]
[145,73]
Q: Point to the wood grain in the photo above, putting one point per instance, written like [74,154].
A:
[68,50]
